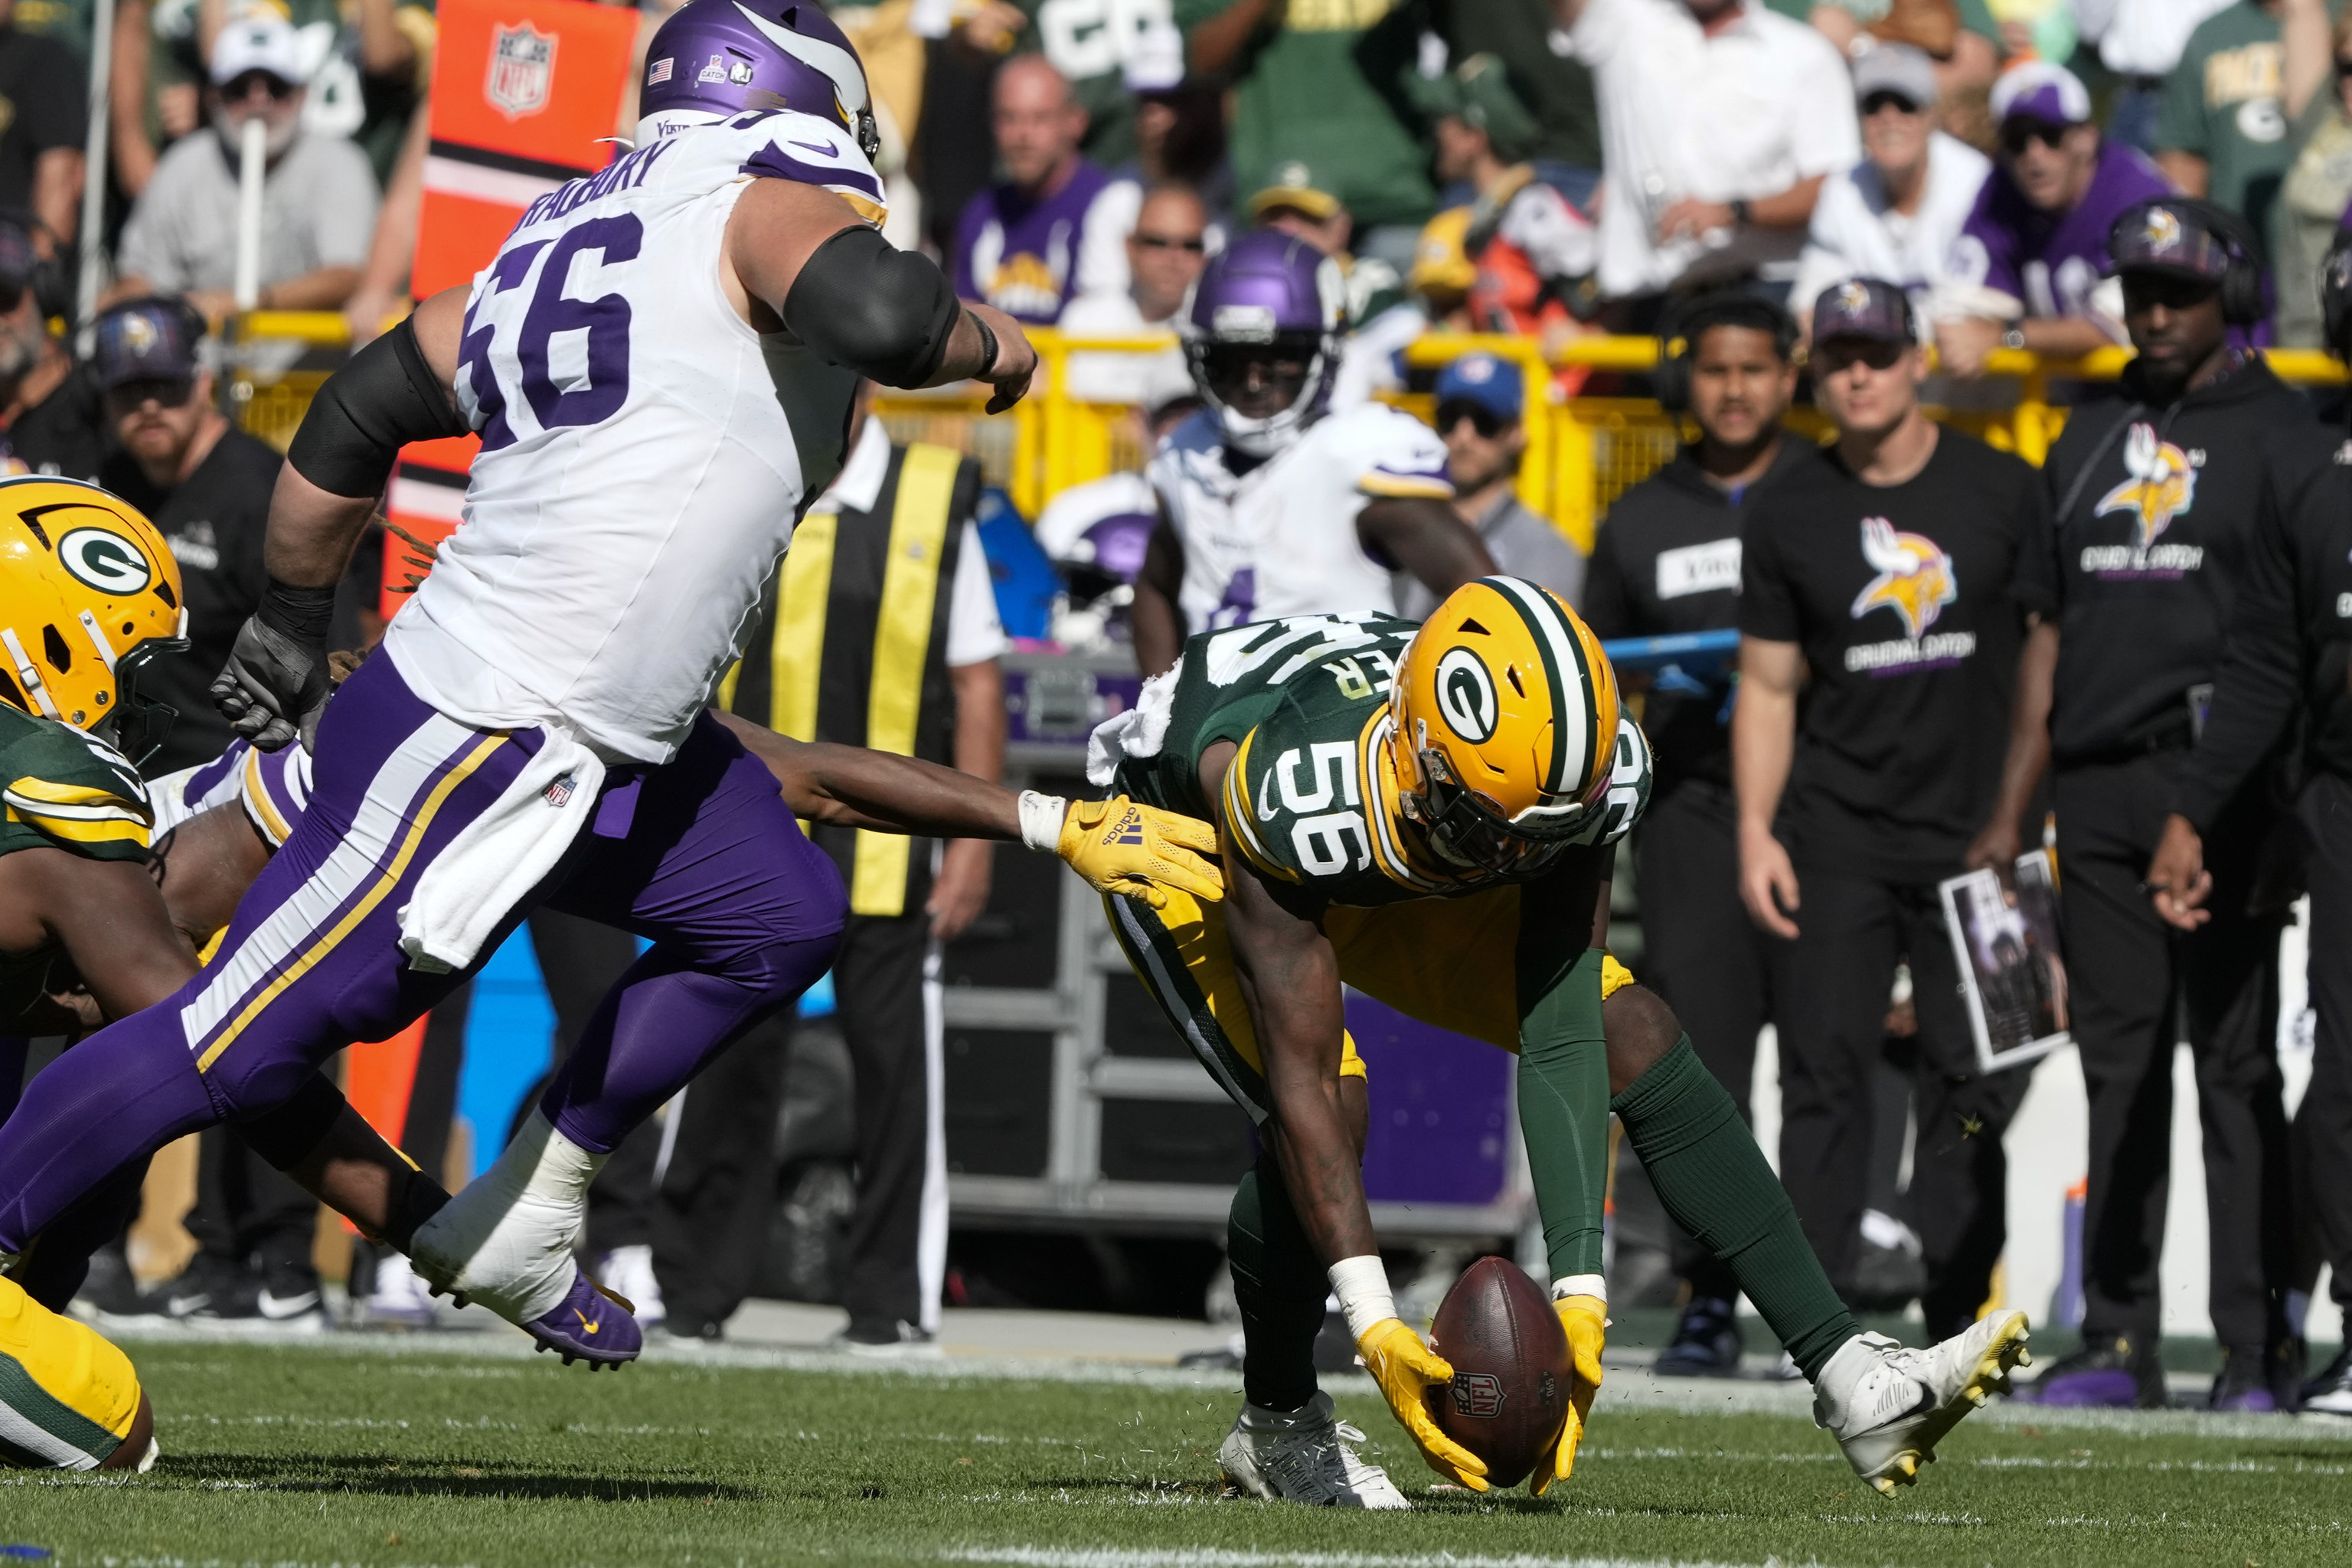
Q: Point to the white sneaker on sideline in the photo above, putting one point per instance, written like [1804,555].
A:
[1303,1455]
[1888,1406]
[628,1271]
[399,1296]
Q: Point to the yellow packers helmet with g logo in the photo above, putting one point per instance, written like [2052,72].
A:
[88,596]
[1506,715]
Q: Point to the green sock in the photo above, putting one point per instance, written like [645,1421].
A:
[1279,1287]
[1715,1183]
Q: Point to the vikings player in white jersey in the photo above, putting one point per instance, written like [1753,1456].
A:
[1269,504]
[660,363]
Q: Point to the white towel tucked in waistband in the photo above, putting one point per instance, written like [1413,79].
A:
[1137,733]
[501,855]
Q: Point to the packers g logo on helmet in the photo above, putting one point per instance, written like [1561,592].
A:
[89,594]
[1505,727]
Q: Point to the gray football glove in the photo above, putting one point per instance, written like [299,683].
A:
[273,688]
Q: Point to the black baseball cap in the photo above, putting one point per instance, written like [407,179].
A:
[153,339]
[1863,307]
[2177,236]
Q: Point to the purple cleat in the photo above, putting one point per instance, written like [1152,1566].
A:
[589,1324]
[2112,1373]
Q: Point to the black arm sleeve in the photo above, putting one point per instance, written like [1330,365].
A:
[385,398]
[881,311]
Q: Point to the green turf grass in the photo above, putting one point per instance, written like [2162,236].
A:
[349,1454]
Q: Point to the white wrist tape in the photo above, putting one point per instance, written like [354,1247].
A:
[1362,1286]
[1041,820]
[1591,1285]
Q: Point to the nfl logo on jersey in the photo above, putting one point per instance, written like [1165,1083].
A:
[522,68]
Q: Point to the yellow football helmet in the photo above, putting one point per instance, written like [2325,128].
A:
[89,594]
[1505,727]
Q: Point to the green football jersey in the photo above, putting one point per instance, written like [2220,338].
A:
[1307,701]
[61,789]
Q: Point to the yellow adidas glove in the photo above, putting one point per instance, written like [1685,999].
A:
[1586,1319]
[1406,1371]
[1123,846]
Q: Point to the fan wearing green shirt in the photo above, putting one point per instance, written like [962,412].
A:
[2221,132]
[1320,82]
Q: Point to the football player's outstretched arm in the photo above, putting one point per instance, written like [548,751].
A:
[1156,619]
[1424,537]
[798,256]
[393,391]
[1289,976]
[849,786]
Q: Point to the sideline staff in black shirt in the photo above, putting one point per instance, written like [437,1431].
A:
[205,486]
[2287,669]
[49,410]
[1667,562]
[1886,570]
[2159,488]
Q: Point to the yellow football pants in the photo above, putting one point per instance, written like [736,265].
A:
[1447,962]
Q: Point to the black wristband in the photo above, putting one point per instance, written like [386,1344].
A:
[302,614]
[988,340]
[1741,212]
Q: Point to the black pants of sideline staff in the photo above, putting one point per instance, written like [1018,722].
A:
[1705,955]
[1837,979]
[705,1210]
[2138,987]
[2324,1122]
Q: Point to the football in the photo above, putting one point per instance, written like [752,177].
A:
[1509,1355]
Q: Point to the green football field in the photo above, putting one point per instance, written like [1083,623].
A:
[352,1454]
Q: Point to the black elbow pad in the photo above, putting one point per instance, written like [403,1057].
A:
[385,398]
[866,305]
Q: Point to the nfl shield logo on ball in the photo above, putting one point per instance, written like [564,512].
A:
[522,68]
[1478,1394]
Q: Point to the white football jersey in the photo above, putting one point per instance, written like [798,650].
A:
[1280,539]
[645,453]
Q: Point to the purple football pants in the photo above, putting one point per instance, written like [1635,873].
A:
[700,855]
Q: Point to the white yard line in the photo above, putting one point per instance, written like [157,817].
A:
[1218,1557]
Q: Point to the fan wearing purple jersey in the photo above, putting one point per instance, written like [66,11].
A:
[2030,268]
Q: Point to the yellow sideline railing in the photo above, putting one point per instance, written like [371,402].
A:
[1582,452]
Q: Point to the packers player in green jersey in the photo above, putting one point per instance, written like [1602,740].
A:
[1430,814]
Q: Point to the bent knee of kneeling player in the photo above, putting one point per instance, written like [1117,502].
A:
[1641,1029]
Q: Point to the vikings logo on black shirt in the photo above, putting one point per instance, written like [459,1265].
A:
[2161,485]
[1916,580]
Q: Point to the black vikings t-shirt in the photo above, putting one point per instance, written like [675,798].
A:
[2163,504]
[215,523]
[63,435]
[1899,595]
[1664,563]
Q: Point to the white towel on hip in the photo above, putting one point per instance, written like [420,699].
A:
[501,855]
[1137,733]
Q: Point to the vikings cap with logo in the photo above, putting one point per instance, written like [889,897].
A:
[153,339]
[1863,307]
[1491,383]
[2040,90]
[1291,183]
[2176,237]
[262,41]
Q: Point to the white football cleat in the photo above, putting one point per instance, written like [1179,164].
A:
[1303,1455]
[1888,1406]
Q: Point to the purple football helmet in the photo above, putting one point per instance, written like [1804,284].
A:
[1265,295]
[716,58]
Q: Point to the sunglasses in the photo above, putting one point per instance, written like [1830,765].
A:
[2017,136]
[1886,99]
[1839,354]
[164,392]
[1484,420]
[240,87]
[1195,246]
